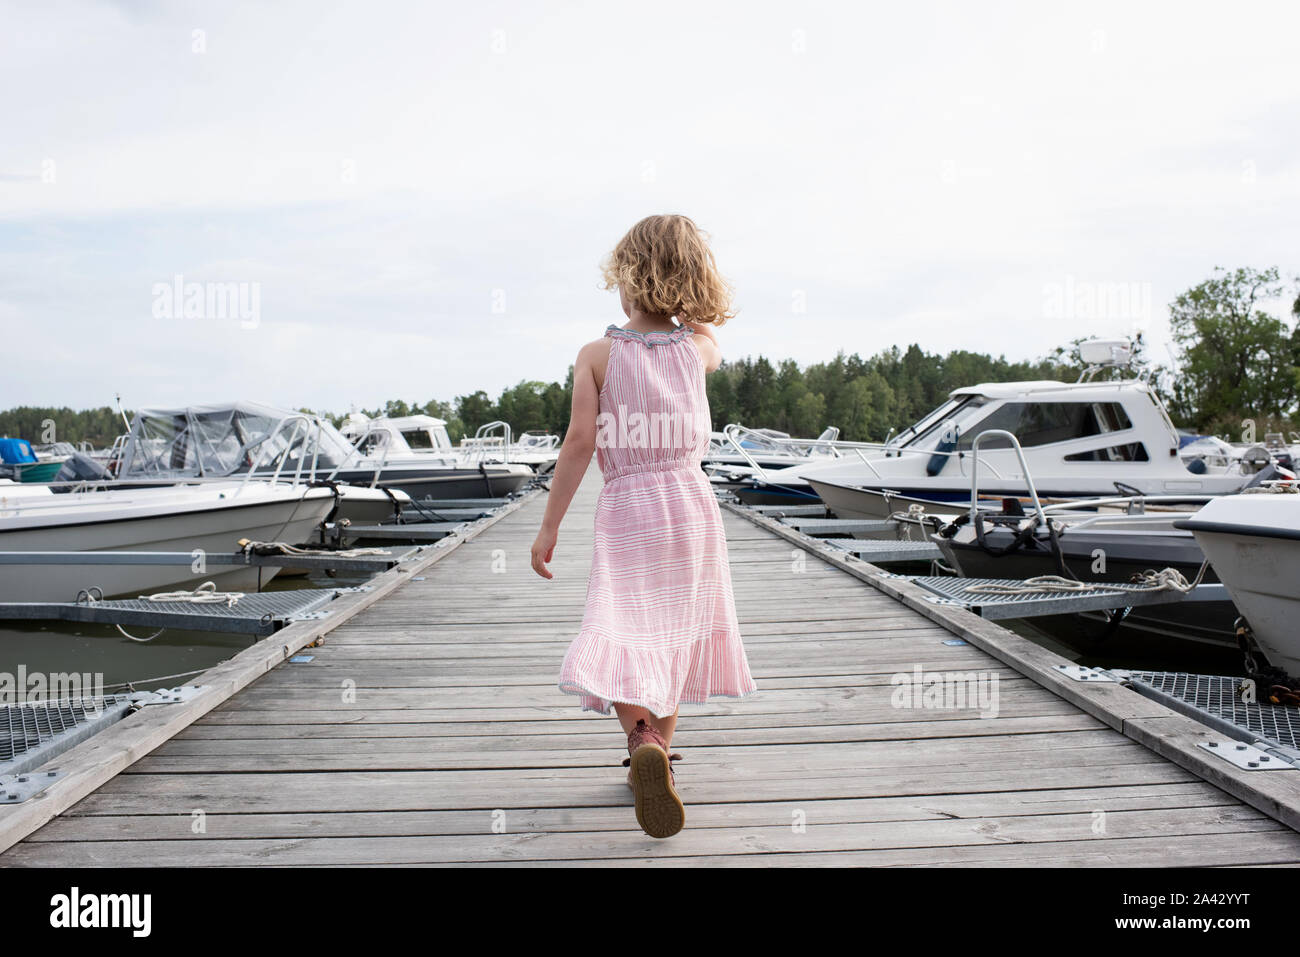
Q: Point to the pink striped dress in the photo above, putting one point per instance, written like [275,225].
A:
[660,623]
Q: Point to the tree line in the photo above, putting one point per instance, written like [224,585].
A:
[1238,364]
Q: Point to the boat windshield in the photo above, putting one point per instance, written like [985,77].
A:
[954,415]
[229,440]
[1045,423]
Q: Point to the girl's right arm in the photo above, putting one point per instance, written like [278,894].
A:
[575,455]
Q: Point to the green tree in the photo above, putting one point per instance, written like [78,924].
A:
[474,410]
[523,407]
[1237,361]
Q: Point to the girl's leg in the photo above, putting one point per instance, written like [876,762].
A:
[629,714]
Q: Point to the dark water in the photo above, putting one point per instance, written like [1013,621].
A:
[66,647]
[1130,649]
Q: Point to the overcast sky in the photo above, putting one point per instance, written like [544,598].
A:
[419,194]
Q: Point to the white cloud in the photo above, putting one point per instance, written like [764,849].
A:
[913,172]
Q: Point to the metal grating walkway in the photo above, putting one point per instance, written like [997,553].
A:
[1217,701]
[981,595]
[32,733]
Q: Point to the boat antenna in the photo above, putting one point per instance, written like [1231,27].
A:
[117,396]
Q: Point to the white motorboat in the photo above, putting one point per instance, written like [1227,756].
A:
[423,438]
[739,457]
[1085,439]
[236,438]
[1253,543]
[209,518]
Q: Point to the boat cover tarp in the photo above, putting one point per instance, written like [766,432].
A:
[227,439]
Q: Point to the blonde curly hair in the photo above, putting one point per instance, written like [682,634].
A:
[665,266]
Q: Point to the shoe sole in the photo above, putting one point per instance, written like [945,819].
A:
[659,810]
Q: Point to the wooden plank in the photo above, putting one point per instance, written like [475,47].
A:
[945,836]
[614,818]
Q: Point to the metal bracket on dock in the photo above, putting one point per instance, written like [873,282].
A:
[789,511]
[17,788]
[885,550]
[1094,675]
[1246,756]
[825,526]
[412,532]
[166,695]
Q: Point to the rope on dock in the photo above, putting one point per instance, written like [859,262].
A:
[142,681]
[1041,583]
[284,548]
[1166,579]
[205,594]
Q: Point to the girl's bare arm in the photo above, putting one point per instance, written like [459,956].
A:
[575,457]
[706,340]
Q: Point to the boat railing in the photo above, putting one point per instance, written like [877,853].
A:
[928,453]
[488,438]
[804,446]
[867,462]
[732,431]
[1020,454]
[859,448]
[301,425]
[1152,518]
[1086,503]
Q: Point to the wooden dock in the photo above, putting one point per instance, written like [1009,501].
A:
[428,729]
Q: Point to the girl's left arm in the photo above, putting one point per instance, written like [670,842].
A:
[575,457]
[707,343]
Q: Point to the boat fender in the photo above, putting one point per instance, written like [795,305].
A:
[940,457]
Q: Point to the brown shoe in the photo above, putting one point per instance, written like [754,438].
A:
[672,757]
[659,810]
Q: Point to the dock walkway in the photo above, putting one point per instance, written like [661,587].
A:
[428,729]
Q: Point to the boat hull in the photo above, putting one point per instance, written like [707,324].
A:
[445,483]
[1254,545]
[213,530]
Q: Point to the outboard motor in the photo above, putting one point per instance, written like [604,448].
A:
[80,468]
[1269,473]
[1254,459]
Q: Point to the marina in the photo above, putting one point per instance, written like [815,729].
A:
[384,735]
[442,437]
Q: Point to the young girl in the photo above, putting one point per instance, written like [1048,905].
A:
[660,623]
